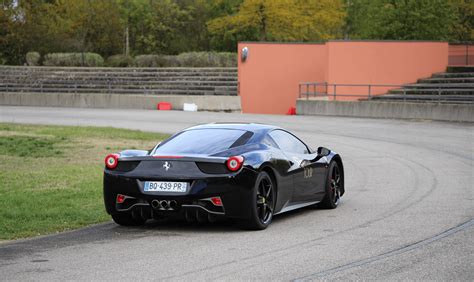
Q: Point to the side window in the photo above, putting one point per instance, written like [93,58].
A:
[269,142]
[288,142]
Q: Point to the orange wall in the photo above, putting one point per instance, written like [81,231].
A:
[357,62]
[269,78]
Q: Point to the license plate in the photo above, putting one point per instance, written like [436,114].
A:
[164,186]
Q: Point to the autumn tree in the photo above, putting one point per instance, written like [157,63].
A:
[281,20]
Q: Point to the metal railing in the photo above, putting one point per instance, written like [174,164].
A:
[309,89]
[407,92]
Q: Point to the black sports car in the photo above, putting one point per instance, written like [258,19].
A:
[249,172]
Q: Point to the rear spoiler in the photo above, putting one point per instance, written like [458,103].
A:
[174,158]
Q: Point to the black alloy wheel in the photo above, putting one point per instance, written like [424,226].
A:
[265,200]
[333,187]
[263,203]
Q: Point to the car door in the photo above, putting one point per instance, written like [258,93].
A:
[305,172]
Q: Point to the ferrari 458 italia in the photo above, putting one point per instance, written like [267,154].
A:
[248,172]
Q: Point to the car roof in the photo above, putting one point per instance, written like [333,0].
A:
[252,127]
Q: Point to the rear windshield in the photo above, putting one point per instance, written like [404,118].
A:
[203,141]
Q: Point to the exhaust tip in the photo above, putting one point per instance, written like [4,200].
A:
[155,204]
[173,205]
[164,204]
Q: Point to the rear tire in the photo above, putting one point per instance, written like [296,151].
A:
[128,219]
[334,186]
[262,203]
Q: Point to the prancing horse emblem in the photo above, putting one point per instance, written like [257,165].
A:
[167,166]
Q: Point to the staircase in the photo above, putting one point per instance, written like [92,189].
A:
[153,81]
[456,86]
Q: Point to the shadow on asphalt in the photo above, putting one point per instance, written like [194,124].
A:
[106,232]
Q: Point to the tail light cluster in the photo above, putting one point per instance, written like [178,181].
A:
[111,161]
[234,163]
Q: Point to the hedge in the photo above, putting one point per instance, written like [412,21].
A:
[33,58]
[189,59]
[154,61]
[119,61]
[73,59]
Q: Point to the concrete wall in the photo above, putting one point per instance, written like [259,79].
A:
[382,62]
[269,78]
[397,110]
[204,103]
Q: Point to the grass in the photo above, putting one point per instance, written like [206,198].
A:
[51,176]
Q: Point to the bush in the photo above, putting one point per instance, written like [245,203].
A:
[207,59]
[119,61]
[189,59]
[155,61]
[33,58]
[227,59]
[73,60]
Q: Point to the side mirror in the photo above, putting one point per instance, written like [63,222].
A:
[323,152]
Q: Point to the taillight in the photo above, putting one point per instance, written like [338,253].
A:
[111,161]
[120,198]
[235,163]
[216,201]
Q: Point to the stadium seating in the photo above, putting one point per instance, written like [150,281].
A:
[456,86]
[159,81]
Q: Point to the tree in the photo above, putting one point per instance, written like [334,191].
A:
[463,28]
[281,20]
[154,26]
[400,19]
[85,25]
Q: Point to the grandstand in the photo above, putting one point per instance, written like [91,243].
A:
[153,81]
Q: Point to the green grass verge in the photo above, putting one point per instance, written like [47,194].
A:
[51,176]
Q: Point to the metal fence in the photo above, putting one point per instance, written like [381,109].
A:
[324,89]
[404,92]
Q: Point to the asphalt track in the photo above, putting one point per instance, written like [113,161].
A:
[408,212]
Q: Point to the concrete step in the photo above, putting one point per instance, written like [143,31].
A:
[433,91]
[421,98]
[118,75]
[452,75]
[460,69]
[39,88]
[109,69]
[73,83]
[441,80]
[210,80]
[120,91]
[440,85]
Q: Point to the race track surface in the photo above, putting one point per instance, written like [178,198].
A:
[407,213]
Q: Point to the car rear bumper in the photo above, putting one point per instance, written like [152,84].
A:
[233,190]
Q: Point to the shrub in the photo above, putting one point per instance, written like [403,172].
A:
[33,58]
[119,61]
[148,61]
[207,59]
[228,59]
[189,59]
[73,59]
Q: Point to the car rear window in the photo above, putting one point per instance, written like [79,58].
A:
[203,141]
